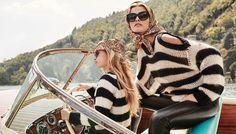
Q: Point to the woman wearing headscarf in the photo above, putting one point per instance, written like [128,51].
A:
[115,95]
[181,79]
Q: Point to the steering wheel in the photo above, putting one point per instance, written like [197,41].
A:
[85,100]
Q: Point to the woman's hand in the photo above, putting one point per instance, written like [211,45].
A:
[65,114]
[82,87]
[190,98]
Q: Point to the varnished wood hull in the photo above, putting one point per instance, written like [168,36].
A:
[144,123]
[227,124]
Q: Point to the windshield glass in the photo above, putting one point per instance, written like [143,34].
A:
[59,68]
[31,77]
[38,101]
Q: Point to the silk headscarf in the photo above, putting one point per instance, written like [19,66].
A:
[114,45]
[153,30]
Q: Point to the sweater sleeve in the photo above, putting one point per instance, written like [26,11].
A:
[104,96]
[78,119]
[154,89]
[210,64]
[91,91]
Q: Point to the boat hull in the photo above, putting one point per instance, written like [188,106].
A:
[227,123]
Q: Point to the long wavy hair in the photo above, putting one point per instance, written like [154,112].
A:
[120,66]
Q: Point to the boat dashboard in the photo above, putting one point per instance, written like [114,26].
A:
[50,123]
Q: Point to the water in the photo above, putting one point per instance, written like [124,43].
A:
[8,94]
[9,87]
[230,89]
[7,97]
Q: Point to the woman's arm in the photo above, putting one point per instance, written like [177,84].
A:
[171,39]
[211,68]
[104,95]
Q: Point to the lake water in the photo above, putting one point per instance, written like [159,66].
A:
[9,87]
[230,89]
[8,94]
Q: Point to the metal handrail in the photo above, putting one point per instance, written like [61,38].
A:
[78,105]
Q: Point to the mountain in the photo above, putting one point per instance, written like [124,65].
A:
[212,21]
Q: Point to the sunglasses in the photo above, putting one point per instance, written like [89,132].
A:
[131,17]
[96,53]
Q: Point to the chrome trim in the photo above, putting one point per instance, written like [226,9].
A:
[74,72]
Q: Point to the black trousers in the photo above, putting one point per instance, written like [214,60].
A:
[176,115]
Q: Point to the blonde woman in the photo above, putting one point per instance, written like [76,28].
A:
[115,95]
[181,79]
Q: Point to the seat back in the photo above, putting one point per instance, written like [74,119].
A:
[210,125]
[136,120]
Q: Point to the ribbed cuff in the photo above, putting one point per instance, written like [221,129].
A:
[201,98]
[91,91]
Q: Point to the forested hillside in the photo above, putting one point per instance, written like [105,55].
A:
[212,21]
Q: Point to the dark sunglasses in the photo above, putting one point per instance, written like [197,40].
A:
[96,53]
[141,15]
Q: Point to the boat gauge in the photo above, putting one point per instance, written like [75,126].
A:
[51,119]
[43,128]
[61,124]
[57,132]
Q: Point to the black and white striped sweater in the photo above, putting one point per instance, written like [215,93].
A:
[179,70]
[109,100]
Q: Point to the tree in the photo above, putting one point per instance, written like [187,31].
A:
[3,77]
[233,66]
[228,40]
[229,59]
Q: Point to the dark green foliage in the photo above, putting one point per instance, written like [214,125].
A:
[230,58]
[228,40]
[209,20]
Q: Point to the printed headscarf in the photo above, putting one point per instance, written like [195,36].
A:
[154,28]
[114,45]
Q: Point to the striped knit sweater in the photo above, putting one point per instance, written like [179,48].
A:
[109,100]
[179,70]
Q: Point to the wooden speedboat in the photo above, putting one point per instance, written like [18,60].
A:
[223,123]
[36,109]
[48,87]
[227,124]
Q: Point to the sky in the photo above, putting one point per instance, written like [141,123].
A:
[27,25]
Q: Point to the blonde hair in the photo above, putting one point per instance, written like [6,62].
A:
[120,66]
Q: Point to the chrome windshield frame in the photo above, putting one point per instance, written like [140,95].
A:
[78,105]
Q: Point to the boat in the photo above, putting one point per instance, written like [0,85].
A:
[49,87]
[223,123]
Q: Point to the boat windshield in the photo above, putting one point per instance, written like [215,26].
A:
[63,68]
[60,67]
